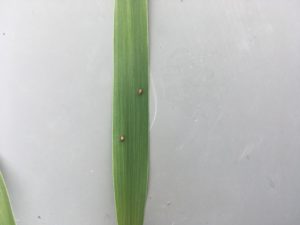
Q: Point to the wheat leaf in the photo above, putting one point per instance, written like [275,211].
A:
[6,215]
[130,110]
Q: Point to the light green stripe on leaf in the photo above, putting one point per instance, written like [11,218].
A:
[130,110]
[6,215]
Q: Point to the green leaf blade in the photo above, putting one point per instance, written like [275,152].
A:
[131,111]
[6,215]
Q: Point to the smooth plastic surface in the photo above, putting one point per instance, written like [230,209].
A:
[225,95]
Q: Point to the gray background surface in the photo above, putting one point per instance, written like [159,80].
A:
[225,144]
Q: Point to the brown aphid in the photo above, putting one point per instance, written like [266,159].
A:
[140,91]
[122,138]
